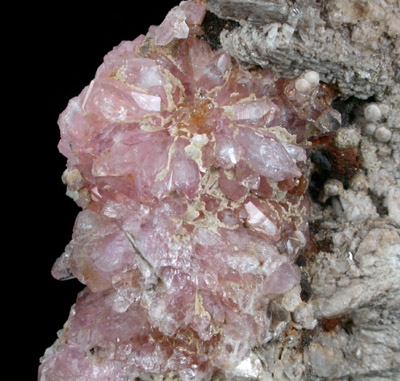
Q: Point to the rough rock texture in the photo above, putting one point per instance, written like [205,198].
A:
[344,317]
[354,45]
[146,311]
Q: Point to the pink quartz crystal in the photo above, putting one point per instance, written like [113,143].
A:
[190,172]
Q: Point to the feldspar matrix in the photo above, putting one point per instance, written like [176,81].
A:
[191,174]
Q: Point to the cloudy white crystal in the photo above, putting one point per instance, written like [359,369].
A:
[372,112]
[383,134]
[312,77]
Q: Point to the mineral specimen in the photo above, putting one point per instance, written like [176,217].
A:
[350,43]
[192,176]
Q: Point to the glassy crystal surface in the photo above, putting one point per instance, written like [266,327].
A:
[191,174]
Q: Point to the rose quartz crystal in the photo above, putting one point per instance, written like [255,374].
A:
[192,179]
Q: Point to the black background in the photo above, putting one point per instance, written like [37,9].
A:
[55,51]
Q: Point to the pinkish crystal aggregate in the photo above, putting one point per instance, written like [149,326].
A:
[192,178]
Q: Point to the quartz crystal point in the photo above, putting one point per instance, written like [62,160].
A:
[191,175]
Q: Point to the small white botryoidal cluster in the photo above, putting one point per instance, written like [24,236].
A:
[373,114]
[307,82]
[383,134]
[369,128]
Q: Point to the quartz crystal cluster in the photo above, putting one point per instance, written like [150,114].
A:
[192,178]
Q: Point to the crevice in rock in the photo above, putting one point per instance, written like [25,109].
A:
[213,26]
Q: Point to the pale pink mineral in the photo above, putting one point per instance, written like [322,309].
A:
[191,175]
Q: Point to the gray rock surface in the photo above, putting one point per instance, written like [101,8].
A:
[352,44]
[343,323]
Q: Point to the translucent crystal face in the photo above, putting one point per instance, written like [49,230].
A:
[191,174]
